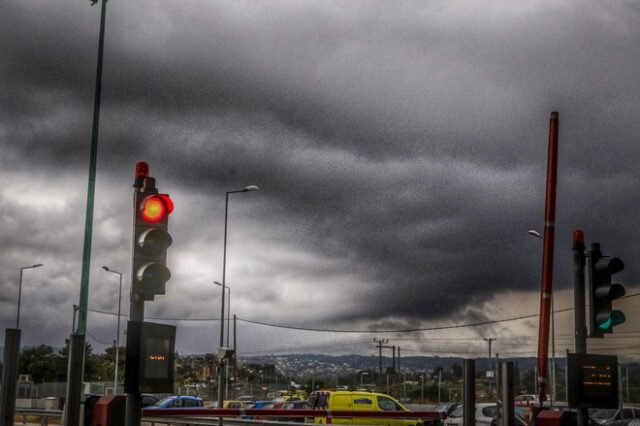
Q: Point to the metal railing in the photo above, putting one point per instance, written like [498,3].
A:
[252,416]
[42,415]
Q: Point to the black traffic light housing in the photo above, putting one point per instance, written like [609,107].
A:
[151,238]
[602,292]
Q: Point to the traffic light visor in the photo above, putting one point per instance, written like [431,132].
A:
[155,207]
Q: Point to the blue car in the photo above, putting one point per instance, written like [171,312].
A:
[178,401]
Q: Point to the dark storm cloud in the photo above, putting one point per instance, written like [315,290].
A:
[400,148]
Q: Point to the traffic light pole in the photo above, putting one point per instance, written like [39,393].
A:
[133,411]
[578,292]
[579,306]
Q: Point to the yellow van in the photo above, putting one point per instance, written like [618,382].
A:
[358,401]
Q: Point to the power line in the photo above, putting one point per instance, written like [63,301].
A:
[327,330]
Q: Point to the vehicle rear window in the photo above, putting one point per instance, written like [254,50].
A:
[491,411]
[458,412]
[191,403]
[604,413]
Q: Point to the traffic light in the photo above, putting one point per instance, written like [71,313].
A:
[151,239]
[602,292]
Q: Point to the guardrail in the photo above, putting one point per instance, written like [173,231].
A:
[293,413]
[44,415]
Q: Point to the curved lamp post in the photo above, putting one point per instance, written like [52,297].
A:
[37,265]
[224,271]
[115,374]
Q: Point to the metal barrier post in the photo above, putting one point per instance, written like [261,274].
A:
[507,393]
[469,392]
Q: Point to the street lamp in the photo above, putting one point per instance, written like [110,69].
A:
[115,375]
[536,234]
[362,374]
[37,265]
[218,283]
[226,379]
[224,272]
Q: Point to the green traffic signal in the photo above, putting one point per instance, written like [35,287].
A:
[602,292]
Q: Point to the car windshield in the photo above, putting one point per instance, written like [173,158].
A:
[165,400]
[490,411]
[458,412]
[604,414]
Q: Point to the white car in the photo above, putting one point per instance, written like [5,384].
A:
[485,414]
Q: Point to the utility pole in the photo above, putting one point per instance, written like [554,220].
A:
[380,343]
[393,362]
[490,380]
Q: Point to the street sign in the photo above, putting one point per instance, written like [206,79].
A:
[150,357]
[593,381]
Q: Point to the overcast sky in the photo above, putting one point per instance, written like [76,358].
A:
[400,149]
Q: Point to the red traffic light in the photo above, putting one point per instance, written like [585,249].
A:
[155,207]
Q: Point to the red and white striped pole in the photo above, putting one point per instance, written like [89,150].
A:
[546,289]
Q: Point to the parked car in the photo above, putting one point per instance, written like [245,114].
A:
[485,415]
[263,405]
[178,401]
[279,401]
[148,399]
[357,401]
[615,417]
[299,404]
[445,407]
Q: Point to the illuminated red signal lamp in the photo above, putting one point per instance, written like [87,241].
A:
[155,207]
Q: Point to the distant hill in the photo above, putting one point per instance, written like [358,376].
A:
[310,363]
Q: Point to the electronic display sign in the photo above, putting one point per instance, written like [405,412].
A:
[593,381]
[150,357]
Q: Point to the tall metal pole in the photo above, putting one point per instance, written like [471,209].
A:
[224,272]
[19,297]
[578,292]
[228,314]
[489,340]
[579,307]
[547,258]
[118,335]
[469,392]
[117,341]
[380,343]
[20,291]
[133,413]
[507,394]
[224,277]
[235,351]
[553,353]
[75,371]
